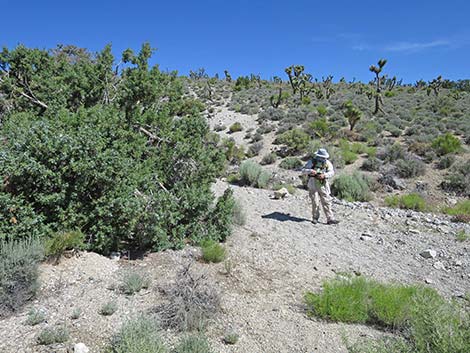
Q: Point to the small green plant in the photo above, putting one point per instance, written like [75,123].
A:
[296,140]
[239,215]
[51,335]
[193,344]
[235,127]
[138,336]
[445,144]
[352,187]
[462,235]
[253,174]
[290,163]
[133,282]
[212,251]
[461,208]
[76,313]
[62,241]
[108,308]
[231,338]
[411,201]
[349,157]
[35,317]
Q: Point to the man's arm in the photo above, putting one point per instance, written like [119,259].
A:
[330,171]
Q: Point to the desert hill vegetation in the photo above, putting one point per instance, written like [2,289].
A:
[104,160]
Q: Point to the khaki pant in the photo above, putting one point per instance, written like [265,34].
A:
[320,194]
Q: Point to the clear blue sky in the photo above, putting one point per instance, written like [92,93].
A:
[420,39]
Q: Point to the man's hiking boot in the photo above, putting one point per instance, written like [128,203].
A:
[332,221]
[314,221]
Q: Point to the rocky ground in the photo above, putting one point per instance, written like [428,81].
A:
[276,257]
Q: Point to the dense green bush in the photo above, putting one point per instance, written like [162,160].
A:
[129,170]
[410,202]
[445,144]
[290,163]
[253,174]
[18,272]
[212,251]
[351,187]
[296,140]
[51,335]
[62,241]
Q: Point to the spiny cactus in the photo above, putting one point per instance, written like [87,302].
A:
[378,84]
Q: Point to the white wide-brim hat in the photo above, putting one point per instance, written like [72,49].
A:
[322,153]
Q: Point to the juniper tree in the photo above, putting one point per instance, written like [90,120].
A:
[378,80]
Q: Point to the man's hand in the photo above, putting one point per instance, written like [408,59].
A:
[313,172]
[321,176]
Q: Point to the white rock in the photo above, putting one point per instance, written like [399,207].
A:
[80,348]
[438,265]
[281,193]
[428,254]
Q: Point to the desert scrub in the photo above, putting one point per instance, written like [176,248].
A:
[410,168]
[460,211]
[133,282]
[351,187]
[191,302]
[51,335]
[446,144]
[445,162]
[290,163]
[431,323]
[193,344]
[35,317]
[371,164]
[108,308]
[235,127]
[269,158]
[255,148]
[253,174]
[139,335]
[18,272]
[411,201]
[462,235]
[457,180]
[212,251]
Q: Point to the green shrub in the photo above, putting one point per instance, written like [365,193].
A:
[138,336]
[349,157]
[235,127]
[430,323]
[411,201]
[296,140]
[108,308]
[290,163]
[133,282]
[462,235]
[51,335]
[193,344]
[62,241]
[18,272]
[212,251]
[351,187]
[461,208]
[445,144]
[269,158]
[254,149]
[233,153]
[35,317]
[253,174]
[410,168]
[320,128]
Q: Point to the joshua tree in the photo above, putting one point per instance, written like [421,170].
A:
[228,78]
[299,81]
[352,113]
[435,86]
[378,85]
[276,100]
[325,89]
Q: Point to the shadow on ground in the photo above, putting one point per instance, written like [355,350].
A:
[283,217]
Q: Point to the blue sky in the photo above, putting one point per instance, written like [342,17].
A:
[420,39]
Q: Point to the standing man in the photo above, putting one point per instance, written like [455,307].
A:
[319,169]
